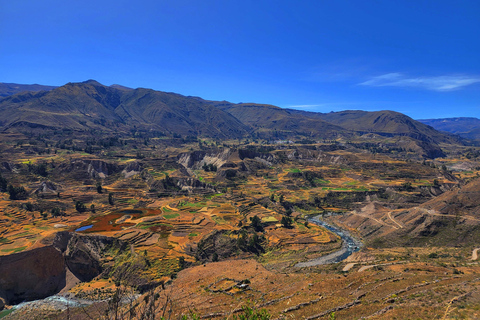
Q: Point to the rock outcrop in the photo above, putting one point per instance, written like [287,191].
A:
[83,253]
[132,169]
[31,275]
[90,168]
[196,159]
[41,272]
[47,188]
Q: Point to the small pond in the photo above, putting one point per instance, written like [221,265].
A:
[84,228]
[108,222]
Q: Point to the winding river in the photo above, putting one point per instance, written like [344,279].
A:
[349,246]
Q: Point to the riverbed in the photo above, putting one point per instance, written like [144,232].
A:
[59,302]
[349,246]
[55,302]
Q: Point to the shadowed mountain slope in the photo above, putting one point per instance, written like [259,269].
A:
[270,119]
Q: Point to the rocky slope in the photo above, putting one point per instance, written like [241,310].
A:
[31,275]
[450,219]
[41,272]
[277,123]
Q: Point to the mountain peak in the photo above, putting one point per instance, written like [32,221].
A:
[93,82]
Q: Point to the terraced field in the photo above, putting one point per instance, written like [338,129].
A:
[217,239]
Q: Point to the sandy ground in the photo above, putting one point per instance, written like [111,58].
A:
[475,254]
[348,266]
[329,258]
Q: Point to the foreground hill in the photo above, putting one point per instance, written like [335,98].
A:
[91,105]
[8,89]
[465,127]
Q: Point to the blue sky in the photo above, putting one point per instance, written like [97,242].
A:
[421,58]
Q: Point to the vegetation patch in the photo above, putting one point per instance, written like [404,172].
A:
[4,240]
[219,220]
[171,216]
[269,219]
[14,250]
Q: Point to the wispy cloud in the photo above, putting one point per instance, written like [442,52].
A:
[439,83]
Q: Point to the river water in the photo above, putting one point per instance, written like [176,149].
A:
[349,246]
[55,302]
[61,302]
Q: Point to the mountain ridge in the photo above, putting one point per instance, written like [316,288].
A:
[466,127]
[8,89]
[89,105]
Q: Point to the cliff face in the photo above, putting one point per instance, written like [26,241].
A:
[83,253]
[31,275]
[41,272]
[89,169]
[196,159]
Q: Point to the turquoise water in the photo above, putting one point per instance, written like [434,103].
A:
[84,228]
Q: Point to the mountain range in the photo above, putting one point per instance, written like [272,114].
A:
[7,89]
[466,127]
[90,105]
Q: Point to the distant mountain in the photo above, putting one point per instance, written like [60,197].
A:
[385,123]
[465,127]
[91,105]
[8,89]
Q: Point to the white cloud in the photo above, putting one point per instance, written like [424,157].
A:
[440,83]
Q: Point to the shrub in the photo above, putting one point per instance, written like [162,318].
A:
[111,200]
[256,223]
[17,193]
[286,222]
[80,206]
